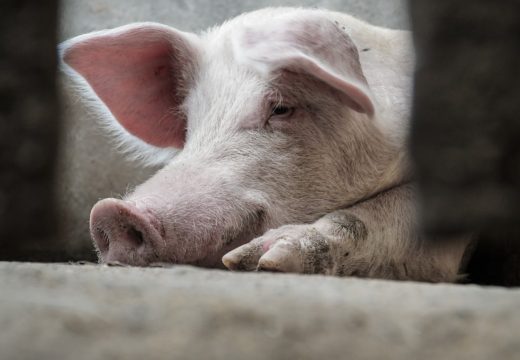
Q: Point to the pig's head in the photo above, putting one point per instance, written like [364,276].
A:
[264,121]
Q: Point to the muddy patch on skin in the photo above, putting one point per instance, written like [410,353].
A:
[348,225]
[317,258]
[249,256]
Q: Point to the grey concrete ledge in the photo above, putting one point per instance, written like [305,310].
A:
[51,311]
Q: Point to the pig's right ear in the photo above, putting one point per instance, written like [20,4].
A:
[140,72]
[308,43]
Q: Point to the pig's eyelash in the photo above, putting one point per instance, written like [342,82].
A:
[281,111]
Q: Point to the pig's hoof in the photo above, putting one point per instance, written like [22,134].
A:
[291,248]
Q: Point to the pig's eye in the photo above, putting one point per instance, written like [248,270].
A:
[281,111]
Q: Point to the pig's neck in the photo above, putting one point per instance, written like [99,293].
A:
[397,173]
[386,162]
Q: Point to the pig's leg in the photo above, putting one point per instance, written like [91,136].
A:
[376,238]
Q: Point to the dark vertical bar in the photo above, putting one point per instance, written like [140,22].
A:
[466,126]
[28,129]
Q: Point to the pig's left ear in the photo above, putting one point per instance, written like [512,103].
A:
[311,44]
[141,73]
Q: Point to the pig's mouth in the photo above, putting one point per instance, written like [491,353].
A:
[124,234]
[252,226]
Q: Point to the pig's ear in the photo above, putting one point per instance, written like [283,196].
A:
[310,44]
[140,72]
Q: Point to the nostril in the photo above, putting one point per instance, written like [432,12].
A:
[134,236]
[122,232]
[125,236]
[102,240]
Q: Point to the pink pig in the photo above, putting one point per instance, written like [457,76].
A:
[283,138]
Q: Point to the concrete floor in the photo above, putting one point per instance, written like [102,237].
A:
[99,312]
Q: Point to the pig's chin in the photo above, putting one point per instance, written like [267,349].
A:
[213,259]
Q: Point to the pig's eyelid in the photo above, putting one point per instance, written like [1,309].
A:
[281,111]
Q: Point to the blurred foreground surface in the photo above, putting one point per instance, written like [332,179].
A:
[51,311]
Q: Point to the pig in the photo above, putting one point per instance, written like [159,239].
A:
[282,136]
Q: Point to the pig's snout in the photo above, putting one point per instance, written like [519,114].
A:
[123,233]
